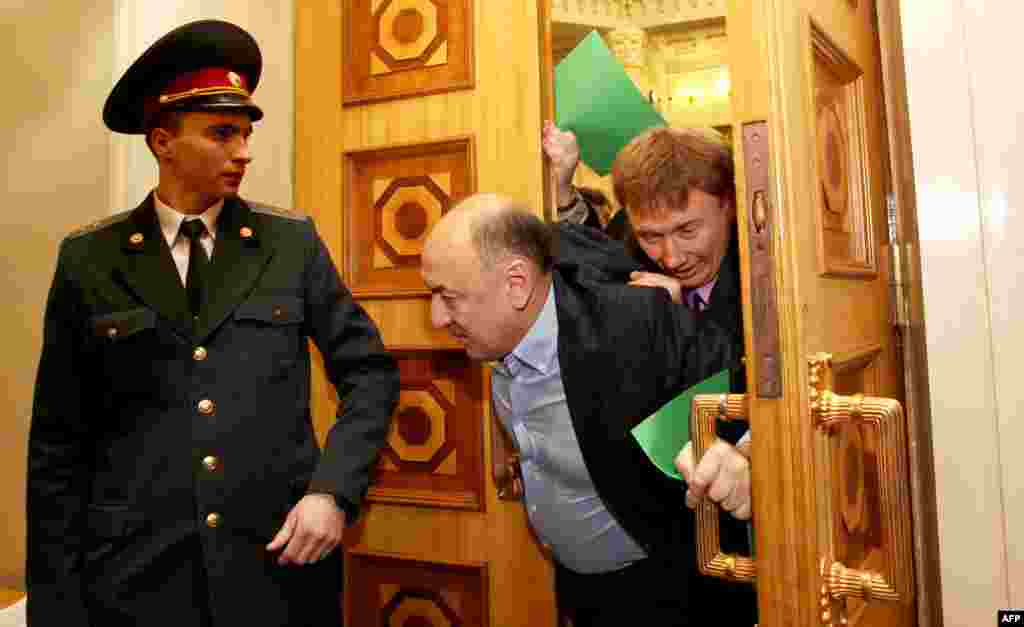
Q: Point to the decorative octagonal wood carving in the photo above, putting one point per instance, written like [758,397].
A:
[395,592]
[394,196]
[404,208]
[833,158]
[421,606]
[418,427]
[434,451]
[407,31]
[402,48]
[856,474]
[845,199]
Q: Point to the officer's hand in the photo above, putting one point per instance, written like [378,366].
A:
[312,530]
[653,279]
[723,476]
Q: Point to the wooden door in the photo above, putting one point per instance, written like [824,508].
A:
[403,107]
[830,472]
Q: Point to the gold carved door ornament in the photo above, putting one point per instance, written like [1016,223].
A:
[830,413]
[892,578]
[706,411]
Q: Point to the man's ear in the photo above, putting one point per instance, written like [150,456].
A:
[519,281]
[159,141]
[729,206]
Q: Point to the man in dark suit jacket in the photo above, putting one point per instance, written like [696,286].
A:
[677,193]
[581,357]
[174,474]
[677,188]
[678,197]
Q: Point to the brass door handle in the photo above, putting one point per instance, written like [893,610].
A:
[884,416]
[505,470]
[508,479]
[706,411]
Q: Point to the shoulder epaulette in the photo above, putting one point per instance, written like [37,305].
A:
[280,212]
[99,224]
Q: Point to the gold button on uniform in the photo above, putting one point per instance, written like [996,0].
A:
[199,354]
[213,520]
[211,463]
[206,407]
[112,332]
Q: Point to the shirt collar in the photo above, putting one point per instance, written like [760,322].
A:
[170,218]
[539,348]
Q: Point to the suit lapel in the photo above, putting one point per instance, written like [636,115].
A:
[725,297]
[146,267]
[578,339]
[239,258]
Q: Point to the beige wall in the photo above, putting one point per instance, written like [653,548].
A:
[55,151]
[966,121]
[65,169]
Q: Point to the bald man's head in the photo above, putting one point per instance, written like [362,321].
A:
[494,226]
[483,262]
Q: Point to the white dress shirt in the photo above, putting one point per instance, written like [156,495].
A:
[170,222]
[562,503]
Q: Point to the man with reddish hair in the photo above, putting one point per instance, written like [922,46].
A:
[677,190]
[677,187]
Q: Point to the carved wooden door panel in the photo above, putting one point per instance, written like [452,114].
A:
[404,107]
[830,477]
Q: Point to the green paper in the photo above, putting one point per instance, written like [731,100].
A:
[598,101]
[665,432]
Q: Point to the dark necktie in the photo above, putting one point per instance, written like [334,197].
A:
[197,263]
[694,301]
[512,365]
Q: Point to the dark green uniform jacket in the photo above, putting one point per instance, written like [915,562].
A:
[152,431]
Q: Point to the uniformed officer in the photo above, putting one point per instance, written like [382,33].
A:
[174,476]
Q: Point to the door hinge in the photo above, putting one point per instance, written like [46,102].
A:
[899,256]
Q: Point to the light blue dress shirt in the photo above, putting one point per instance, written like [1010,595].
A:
[564,508]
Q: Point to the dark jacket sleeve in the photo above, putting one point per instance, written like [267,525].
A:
[691,348]
[363,373]
[58,462]
[685,348]
[723,315]
[588,255]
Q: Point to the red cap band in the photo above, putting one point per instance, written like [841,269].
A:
[204,82]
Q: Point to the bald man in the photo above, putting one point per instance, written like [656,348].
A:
[580,356]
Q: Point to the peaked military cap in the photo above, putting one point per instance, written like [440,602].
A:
[208,65]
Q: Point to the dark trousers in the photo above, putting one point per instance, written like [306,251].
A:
[655,592]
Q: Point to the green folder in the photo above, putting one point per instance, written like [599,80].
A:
[598,101]
[665,432]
